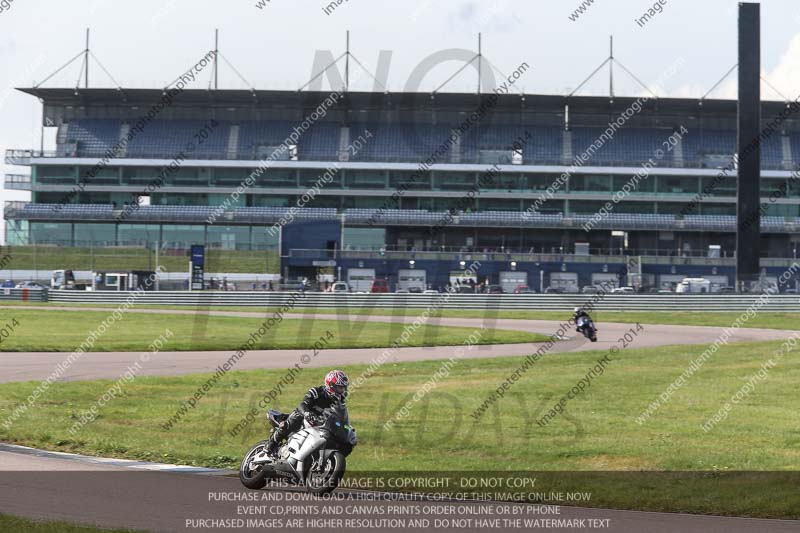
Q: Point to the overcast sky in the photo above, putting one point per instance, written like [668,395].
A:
[148,43]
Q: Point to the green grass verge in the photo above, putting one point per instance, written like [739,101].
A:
[597,431]
[59,257]
[13,524]
[40,330]
[679,318]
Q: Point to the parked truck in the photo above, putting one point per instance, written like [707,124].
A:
[694,286]
[65,280]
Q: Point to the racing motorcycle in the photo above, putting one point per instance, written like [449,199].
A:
[313,457]
[586,326]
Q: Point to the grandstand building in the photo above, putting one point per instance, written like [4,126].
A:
[353,183]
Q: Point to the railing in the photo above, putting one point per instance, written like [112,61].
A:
[200,215]
[18,181]
[14,208]
[25,295]
[491,302]
[653,257]
[23,157]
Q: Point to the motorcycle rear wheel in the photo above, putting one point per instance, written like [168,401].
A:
[326,481]
[253,479]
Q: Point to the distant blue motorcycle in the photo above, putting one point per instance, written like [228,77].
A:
[585,325]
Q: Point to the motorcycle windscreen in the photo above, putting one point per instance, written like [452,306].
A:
[340,413]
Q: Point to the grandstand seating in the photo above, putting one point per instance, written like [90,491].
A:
[253,134]
[407,142]
[93,136]
[627,144]
[168,138]
[320,143]
[772,152]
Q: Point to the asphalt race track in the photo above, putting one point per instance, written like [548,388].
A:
[24,366]
[146,496]
[115,493]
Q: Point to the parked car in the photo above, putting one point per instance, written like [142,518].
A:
[666,291]
[554,290]
[380,286]
[727,290]
[340,287]
[401,291]
[415,290]
[430,291]
[623,290]
[29,285]
[590,289]
[494,289]
[523,289]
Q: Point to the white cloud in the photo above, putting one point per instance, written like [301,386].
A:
[785,77]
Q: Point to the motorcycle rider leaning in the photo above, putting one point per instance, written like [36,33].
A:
[580,313]
[316,399]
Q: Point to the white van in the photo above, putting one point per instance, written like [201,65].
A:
[693,286]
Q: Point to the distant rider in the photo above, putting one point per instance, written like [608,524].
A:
[334,391]
[580,317]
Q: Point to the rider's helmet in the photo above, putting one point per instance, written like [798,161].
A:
[336,383]
[577,310]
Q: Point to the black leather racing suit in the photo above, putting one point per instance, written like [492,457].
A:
[315,400]
[580,314]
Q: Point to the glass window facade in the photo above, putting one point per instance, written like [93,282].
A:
[260,200]
[95,234]
[364,238]
[454,180]
[137,234]
[100,176]
[17,232]
[54,175]
[678,185]
[411,181]
[229,237]
[365,179]
[180,236]
[589,183]
[329,178]
[263,240]
[278,177]
[50,233]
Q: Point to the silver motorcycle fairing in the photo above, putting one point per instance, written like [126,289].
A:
[311,442]
[301,445]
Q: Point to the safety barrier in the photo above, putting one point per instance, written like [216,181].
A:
[505,302]
[25,295]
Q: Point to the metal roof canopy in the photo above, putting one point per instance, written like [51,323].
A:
[202,99]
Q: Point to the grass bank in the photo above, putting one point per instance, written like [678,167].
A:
[40,330]
[596,433]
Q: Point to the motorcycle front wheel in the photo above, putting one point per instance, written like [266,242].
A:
[324,479]
[256,478]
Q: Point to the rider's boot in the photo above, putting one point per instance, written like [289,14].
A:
[272,448]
